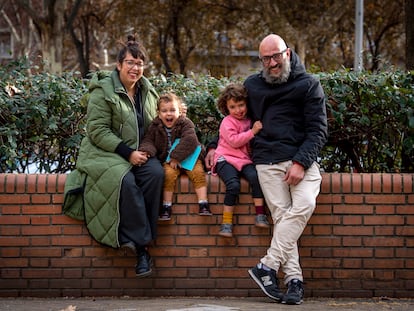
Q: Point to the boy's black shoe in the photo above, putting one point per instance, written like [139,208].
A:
[204,209]
[165,213]
[294,293]
[144,264]
[267,281]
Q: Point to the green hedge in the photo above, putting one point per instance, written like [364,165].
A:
[41,120]
[371,122]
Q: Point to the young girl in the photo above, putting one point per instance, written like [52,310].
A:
[232,157]
[172,139]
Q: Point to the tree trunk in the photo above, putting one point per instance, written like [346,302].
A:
[56,17]
[409,34]
[49,23]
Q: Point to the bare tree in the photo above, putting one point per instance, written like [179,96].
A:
[25,38]
[184,35]
[409,32]
[176,31]
[82,23]
[48,19]
[383,25]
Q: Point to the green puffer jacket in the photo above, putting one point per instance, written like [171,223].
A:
[92,191]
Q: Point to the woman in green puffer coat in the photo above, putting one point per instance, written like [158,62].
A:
[115,188]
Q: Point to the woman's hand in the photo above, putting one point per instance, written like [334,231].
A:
[138,158]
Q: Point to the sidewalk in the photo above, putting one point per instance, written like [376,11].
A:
[199,304]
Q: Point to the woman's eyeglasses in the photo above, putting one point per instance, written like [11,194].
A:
[131,64]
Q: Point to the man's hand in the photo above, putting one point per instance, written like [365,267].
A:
[294,174]
[209,159]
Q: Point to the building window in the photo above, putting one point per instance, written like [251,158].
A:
[6,44]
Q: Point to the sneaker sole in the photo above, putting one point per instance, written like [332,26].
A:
[226,235]
[144,274]
[260,225]
[292,302]
[164,219]
[253,276]
[205,214]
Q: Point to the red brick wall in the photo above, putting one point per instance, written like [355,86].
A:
[359,243]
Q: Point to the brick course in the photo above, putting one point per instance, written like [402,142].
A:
[358,243]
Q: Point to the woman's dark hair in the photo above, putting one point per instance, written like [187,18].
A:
[234,91]
[134,47]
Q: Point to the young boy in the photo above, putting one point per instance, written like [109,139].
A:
[172,139]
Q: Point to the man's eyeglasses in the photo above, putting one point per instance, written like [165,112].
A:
[277,57]
[131,64]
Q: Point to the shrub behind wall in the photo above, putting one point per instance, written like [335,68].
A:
[371,118]
[371,121]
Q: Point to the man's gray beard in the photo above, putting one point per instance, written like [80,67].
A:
[282,78]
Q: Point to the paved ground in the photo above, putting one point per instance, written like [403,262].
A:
[199,304]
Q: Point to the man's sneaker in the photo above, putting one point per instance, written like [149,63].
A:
[204,209]
[226,230]
[261,221]
[294,293]
[165,213]
[267,281]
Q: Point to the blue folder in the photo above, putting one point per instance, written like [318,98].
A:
[189,162]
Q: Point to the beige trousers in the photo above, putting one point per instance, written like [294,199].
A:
[291,207]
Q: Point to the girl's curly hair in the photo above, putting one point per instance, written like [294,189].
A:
[235,91]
